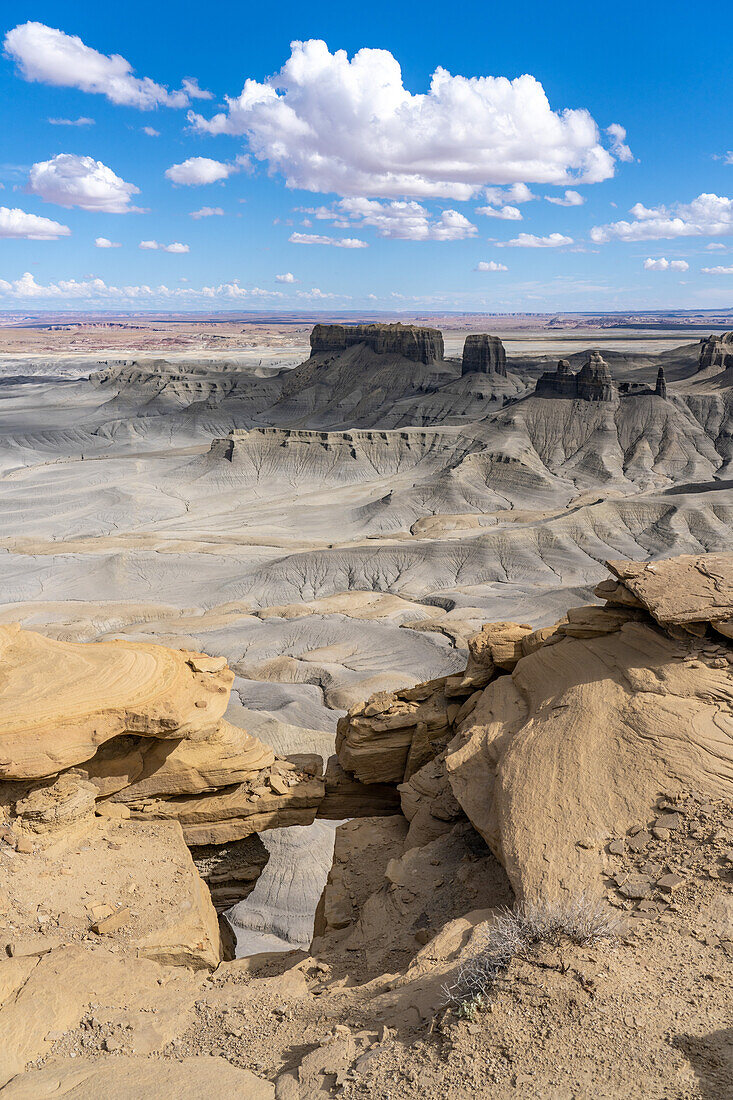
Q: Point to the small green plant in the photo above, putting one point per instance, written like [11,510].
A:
[514,933]
[468,1009]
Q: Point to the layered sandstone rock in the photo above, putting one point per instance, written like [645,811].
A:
[483,354]
[423,345]
[563,738]
[61,701]
[593,382]
[143,726]
[235,812]
[689,590]
[392,735]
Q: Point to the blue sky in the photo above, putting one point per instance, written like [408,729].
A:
[349,180]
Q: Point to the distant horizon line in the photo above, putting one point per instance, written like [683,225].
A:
[354,313]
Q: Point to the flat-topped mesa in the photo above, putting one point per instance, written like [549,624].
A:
[716,351]
[484,354]
[593,382]
[422,345]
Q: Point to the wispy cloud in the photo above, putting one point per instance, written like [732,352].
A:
[82,121]
[335,242]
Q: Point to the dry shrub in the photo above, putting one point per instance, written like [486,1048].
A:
[514,933]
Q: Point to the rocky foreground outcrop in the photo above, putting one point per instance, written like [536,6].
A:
[423,345]
[592,758]
[129,730]
[556,741]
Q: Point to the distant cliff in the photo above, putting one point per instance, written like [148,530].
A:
[593,382]
[422,345]
[716,351]
[484,354]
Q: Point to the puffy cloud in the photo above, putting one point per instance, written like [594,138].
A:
[104,242]
[728,158]
[717,270]
[715,246]
[490,265]
[663,264]
[398,220]
[207,212]
[151,131]
[507,213]
[707,215]
[528,240]
[516,194]
[50,56]
[199,170]
[96,290]
[69,180]
[288,277]
[619,148]
[570,198]
[154,246]
[333,124]
[82,121]
[17,224]
[337,242]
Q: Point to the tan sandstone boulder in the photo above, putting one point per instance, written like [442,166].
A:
[61,700]
[580,743]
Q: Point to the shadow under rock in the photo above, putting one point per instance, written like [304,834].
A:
[711,1057]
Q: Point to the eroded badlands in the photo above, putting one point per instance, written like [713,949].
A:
[243,604]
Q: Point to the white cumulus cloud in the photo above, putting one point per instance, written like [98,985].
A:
[506,213]
[288,277]
[69,180]
[707,215]
[715,246]
[17,224]
[514,195]
[151,131]
[104,242]
[717,270]
[663,264]
[154,246]
[570,198]
[528,240]
[198,170]
[96,290]
[350,126]
[490,265]
[337,242]
[50,56]
[398,220]
[207,212]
